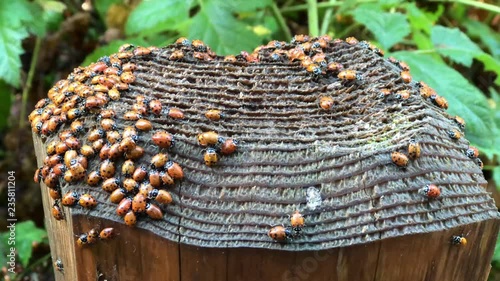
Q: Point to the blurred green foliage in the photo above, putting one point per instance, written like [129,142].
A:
[442,42]
[26,233]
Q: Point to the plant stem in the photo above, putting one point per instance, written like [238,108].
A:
[321,5]
[312,17]
[29,80]
[281,21]
[477,4]
[326,19]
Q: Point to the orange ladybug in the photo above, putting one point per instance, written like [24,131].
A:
[110,184]
[161,196]
[413,149]
[166,179]
[334,67]
[143,125]
[154,212]
[130,185]
[399,159]
[176,55]
[92,236]
[460,121]
[139,203]
[214,114]
[163,139]
[349,75]
[132,115]
[472,152]
[95,134]
[351,40]
[114,151]
[82,240]
[159,160]
[140,173]
[297,221]
[454,134]
[155,107]
[124,207]
[208,138]
[403,94]
[128,168]
[154,178]
[439,101]
[228,146]
[458,240]
[280,233]
[57,212]
[130,218]
[406,76]
[107,233]
[70,198]
[174,170]
[211,158]
[117,195]
[425,90]
[175,113]
[107,169]
[87,201]
[431,191]
[326,103]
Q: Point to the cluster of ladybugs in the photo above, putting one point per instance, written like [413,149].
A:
[283,233]
[86,93]
[88,90]
[93,235]
[214,145]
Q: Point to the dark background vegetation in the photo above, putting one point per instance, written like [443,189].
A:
[454,46]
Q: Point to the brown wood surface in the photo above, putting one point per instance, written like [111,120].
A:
[136,254]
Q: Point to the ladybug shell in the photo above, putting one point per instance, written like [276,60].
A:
[399,159]
[297,220]
[432,191]
[124,207]
[106,233]
[279,233]
[130,218]
[414,149]
[174,170]
[87,201]
[154,212]
[139,203]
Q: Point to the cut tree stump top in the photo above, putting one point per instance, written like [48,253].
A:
[333,164]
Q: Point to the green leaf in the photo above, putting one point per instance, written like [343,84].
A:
[422,40]
[10,51]
[454,44]
[244,5]
[388,28]
[418,19]
[152,16]
[15,18]
[490,64]
[465,100]
[491,39]
[25,234]
[102,7]
[216,26]
[5,103]
[111,48]
[51,5]
[496,178]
